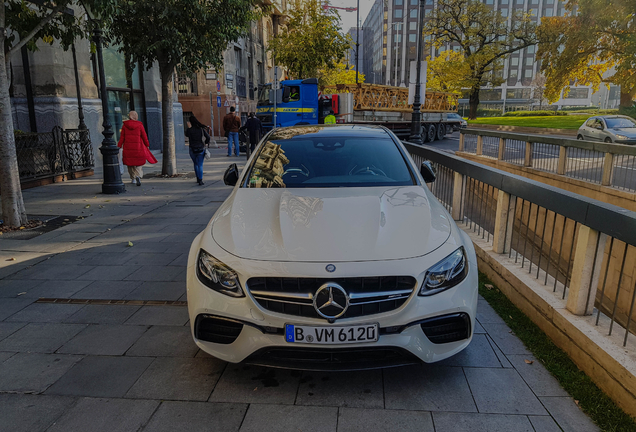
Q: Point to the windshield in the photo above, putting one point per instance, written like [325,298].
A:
[263,94]
[325,162]
[619,122]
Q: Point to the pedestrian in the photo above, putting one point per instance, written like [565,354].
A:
[232,124]
[135,147]
[197,133]
[331,118]
[255,129]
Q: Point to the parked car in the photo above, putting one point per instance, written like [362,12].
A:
[461,123]
[331,253]
[610,129]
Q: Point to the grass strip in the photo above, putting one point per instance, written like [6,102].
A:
[601,409]
[556,122]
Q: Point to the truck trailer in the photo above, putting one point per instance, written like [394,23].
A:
[299,102]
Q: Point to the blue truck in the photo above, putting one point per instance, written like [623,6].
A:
[299,102]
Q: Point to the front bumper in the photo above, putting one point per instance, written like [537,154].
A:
[629,141]
[261,338]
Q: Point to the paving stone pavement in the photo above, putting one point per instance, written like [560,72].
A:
[97,367]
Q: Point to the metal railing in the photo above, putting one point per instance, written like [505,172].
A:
[605,164]
[579,248]
[59,152]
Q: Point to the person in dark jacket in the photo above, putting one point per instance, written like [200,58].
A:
[134,144]
[197,133]
[255,129]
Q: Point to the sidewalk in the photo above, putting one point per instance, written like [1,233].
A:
[88,365]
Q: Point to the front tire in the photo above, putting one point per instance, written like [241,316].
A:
[608,140]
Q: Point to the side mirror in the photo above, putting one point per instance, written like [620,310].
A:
[286,93]
[427,172]
[231,175]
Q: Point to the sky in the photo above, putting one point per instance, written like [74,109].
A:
[348,19]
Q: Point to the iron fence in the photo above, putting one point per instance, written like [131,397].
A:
[59,152]
[604,164]
[567,242]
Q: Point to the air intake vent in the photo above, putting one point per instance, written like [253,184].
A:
[218,330]
[447,328]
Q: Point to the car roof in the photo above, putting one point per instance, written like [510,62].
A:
[327,131]
[613,116]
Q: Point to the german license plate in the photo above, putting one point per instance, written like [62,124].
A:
[331,335]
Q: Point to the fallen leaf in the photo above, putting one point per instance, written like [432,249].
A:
[488,286]
[130,244]
[576,402]
[21,227]
[11,259]
[256,388]
[107,201]
[66,220]
[88,206]
[529,361]
[510,316]
[22,293]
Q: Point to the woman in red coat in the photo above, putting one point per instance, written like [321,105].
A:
[134,144]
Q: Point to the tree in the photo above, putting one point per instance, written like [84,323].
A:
[587,47]
[188,34]
[340,74]
[26,23]
[312,41]
[483,35]
[448,72]
[538,89]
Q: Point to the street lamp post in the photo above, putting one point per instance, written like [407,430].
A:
[357,37]
[416,118]
[110,152]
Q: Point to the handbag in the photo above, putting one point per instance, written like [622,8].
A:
[207,154]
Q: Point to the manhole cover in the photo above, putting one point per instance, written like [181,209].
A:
[50,223]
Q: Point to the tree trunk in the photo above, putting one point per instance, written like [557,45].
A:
[627,97]
[169,157]
[13,211]
[473,102]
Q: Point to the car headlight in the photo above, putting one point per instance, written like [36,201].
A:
[621,137]
[445,274]
[217,276]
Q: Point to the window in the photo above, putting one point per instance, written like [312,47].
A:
[489,2]
[490,95]
[414,2]
[397,13]
[413,25]
[503,2]
[519,2]
[591,123]
[527,73]
[397,37]
[429,2]
[619,122]
[518,93]
[412,38]
[549,2]
[548,12]
[512,73]
[530,49]
[398,2]
[514,61]
[577,93]
[504,12]
[413,13]
[322,161]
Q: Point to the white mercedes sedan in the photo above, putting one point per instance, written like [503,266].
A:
[331,253]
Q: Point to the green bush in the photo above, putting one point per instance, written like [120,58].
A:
[628,111]
[488,112]
[534,113]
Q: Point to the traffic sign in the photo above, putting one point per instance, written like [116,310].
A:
[218,101]
[227,103]
[218,86]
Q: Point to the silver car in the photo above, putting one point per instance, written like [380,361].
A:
[610,129]
[461,123]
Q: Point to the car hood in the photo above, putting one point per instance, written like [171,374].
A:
[331,225]
[628,132]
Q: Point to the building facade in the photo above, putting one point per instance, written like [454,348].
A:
[44,93]
[209,94]
[391,44]
[356,34]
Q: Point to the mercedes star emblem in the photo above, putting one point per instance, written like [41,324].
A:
[331,301]
[330,268]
